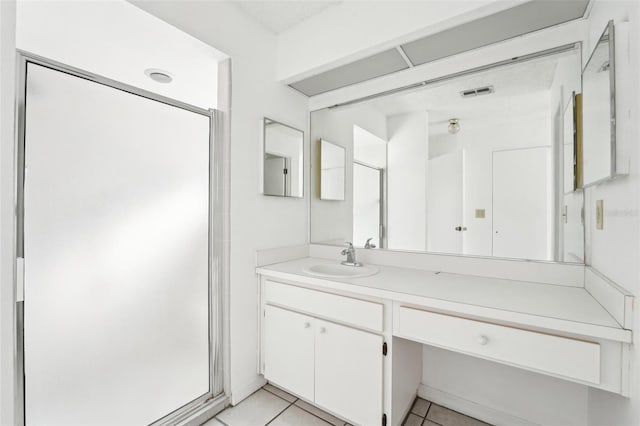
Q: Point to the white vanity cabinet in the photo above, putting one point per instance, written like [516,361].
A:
[349,372]
[319,347]
[289,342]
[322,338]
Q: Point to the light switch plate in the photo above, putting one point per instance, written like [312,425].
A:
[480,214]
[600,214]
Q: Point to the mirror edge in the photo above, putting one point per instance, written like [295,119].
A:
[613,172]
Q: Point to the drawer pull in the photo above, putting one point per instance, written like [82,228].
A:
[307,324]
[323,330]
[483,340]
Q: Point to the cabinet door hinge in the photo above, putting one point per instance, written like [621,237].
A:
[384,420]
[384,349]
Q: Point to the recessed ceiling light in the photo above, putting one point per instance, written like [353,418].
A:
[159,76]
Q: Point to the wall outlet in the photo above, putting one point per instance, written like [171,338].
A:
[480,214]
[600,214]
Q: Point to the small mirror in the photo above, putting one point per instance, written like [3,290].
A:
[283,160]
[332,169]
[598,109]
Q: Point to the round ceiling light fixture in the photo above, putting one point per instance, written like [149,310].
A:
[454,126]
[159,76]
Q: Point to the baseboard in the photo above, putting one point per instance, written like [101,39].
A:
[470,408]
[239,395]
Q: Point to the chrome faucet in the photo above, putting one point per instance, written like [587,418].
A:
[350,252]
[368,244]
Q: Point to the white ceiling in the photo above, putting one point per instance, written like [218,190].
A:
[279,16]
[118,40]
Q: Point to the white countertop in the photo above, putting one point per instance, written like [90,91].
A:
[543,306]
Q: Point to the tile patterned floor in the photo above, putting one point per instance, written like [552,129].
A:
[274,407]
[425,413]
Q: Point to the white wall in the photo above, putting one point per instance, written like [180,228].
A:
[369,148]
[332,221]
[615,250]
[7,214]
[115,39]
[530,396]
[353,30]
[408,156]
[257,222]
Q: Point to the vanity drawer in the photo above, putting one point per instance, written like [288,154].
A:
[545,353]
[330,306]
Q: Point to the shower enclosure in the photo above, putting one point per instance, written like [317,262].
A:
[119,320]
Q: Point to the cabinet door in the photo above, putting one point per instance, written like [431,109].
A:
[288,350]
[348,366]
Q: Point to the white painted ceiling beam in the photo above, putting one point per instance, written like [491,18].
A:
[571,32]
[354,30]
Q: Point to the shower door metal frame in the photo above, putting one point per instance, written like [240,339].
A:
[216,394]
[383,202]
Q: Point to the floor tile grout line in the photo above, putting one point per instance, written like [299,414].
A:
[307,411]
[278,415]
[266,390]
[428,409]
[272,393]
[294,403]
[217,419]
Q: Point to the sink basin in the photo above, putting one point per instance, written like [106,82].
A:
[336,270]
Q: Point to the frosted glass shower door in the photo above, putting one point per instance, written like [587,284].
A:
[116,248]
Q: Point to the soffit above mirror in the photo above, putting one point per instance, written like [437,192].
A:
[516,21]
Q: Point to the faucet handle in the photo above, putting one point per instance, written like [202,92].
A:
[369,245]
[348,250]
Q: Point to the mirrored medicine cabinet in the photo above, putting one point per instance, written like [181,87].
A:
[598,111]
[483,163]
[282,160]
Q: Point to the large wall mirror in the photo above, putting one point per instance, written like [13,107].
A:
[598,82]
[470,165]
[332,171]
[283,160]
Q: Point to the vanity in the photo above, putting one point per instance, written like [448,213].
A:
[476,186]
[353,345]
